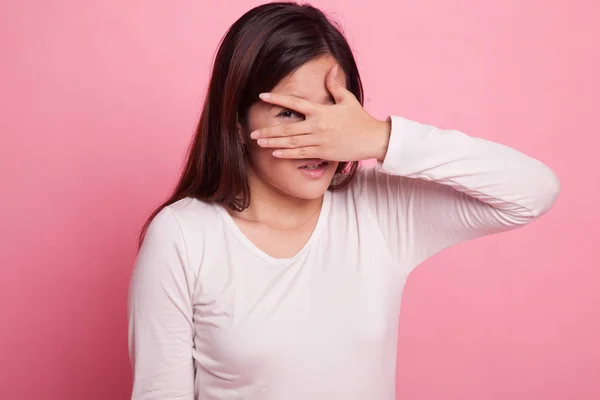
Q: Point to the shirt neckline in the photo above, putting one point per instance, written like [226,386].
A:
[235,229]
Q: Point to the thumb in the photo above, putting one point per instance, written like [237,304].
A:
[333,84]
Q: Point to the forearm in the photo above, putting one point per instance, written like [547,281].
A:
[498,175]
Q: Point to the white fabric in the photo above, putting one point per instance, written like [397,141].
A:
[213,317]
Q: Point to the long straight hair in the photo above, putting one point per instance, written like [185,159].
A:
[262,47]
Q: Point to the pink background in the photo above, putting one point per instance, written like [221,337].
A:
[98,102]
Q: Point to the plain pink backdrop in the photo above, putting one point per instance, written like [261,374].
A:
[98,100]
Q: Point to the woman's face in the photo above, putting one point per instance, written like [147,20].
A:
[291,177]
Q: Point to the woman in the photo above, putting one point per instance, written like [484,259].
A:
[276,268]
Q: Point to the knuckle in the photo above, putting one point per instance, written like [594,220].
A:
[302,151]
[293,141]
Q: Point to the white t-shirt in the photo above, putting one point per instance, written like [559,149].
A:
[212,317]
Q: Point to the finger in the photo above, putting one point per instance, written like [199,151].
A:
[334,84]
[287,129]
[292,102]
[300,152]
[289,142]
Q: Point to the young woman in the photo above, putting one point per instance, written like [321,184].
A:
[276,268]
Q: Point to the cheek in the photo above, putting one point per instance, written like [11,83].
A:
[264,164]
[259,155]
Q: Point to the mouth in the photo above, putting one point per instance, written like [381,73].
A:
[313,166]
[313,169]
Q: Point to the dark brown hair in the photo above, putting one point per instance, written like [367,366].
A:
[265,45]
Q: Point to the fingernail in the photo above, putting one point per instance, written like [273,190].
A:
[278,153]
[335,71]
[255,135]
[264,96]
[262,142]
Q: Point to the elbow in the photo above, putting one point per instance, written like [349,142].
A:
[537,200]
[548,189]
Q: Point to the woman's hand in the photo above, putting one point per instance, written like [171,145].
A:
[339,132]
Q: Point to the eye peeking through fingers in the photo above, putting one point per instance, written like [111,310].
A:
[287,113]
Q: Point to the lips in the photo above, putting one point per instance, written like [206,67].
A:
[314,169]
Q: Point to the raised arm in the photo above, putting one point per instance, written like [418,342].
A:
[435,188]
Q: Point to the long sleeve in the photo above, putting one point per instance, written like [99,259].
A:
[436,188]
[160,315]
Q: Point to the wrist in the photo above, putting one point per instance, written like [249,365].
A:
[381,140]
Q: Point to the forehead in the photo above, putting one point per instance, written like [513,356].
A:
[308,81]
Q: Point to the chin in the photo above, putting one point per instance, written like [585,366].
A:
[308,192]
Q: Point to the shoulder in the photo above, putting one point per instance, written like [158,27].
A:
[192,212]
[181,230]
[187,218]
[183,222]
